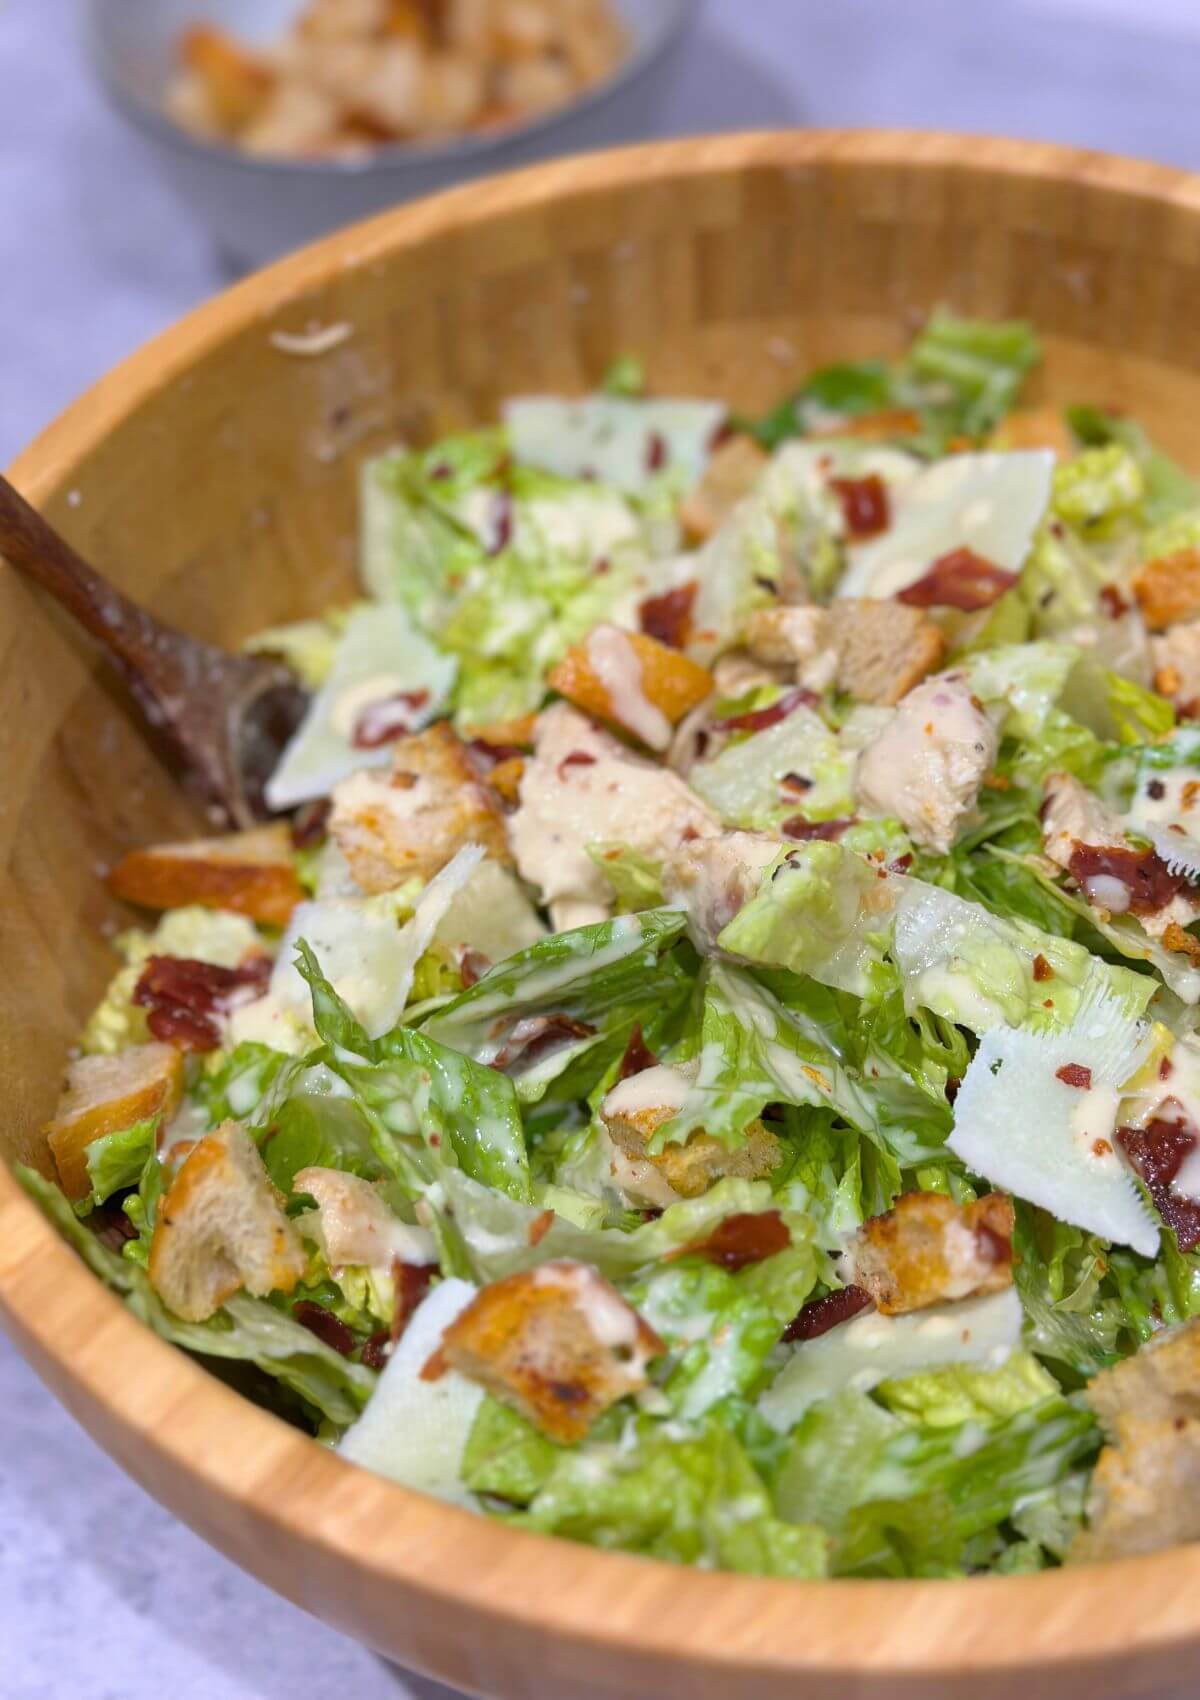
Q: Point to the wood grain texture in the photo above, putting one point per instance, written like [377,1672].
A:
[213,476]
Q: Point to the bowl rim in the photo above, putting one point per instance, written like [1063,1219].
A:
[395,158]
[74,1332]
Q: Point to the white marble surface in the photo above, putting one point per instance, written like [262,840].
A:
[101,1593]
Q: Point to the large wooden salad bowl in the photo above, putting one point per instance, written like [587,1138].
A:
[213,475]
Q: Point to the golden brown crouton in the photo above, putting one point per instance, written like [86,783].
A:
[1035,428]
[926,1249]
[883,648]
[633,681]
[732,472]
[689,1168]
[880,427]
[558,1343]
[249,872]
[1168,589]
[797,638]
[220,1226]
[413,819]
[105,1094]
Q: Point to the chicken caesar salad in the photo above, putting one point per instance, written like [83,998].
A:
[706,1061]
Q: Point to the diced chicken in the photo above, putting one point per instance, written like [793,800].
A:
[584,787]
[558,1343]
[1144,1494]
[1168,589]
[635,1109]
[714,877]
[633,681]
[927,764]
[220,1227]
[800,639]
[252,873]
[927,1250]
[732,472]
[352,1225]
[883,649]
[1176,658]
[106,1094]
[413,819]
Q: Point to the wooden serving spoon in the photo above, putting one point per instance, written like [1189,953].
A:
[226,717]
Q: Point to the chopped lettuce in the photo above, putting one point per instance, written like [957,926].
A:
[618,439]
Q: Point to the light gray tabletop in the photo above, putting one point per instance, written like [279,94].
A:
[101,1593]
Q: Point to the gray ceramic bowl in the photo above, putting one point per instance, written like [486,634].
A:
[258,209]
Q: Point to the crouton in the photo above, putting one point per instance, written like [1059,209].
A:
[927,764]
[926,1250]
[637,1107]
[883,649]
[251,873]
[883,426]
[515,734]
[505,779]
[411,820]
[1176,658]
[797,638]
[558,1343]
[106,1094]
[1035,428]
[236,85]
[632,680]
[733,470]
[352,1224]
[1168,589]
[220,1227]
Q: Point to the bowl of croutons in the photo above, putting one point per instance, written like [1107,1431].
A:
[279,120]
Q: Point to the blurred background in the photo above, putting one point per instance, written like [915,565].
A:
[112,228]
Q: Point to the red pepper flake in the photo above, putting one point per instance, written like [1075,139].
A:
[325,1325]
[865,506]
[758,719]
[638,1055]
[669,617]
[656,451]
[818,1316]
[185,999]
[1075,1074]
[1156,1153]
[309,823]
[1041,968]
[390,718]
[540,1227]
[1101,1148]
[1156,789]
[960,579]
[1150,883]
[1114,603]
[738,1241]
[827,831]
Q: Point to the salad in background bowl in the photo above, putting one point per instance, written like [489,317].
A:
[708,1064]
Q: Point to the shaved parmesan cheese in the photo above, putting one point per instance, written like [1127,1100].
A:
[1178,849]
[1020,1121]
[415,1431]
[873,1348]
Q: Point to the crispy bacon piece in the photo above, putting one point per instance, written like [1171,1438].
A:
[864,502]
[325,1325]
[1041,968]
[758,719]
[738,1241]
[1075,1074]
[534,1036]
[960,579]
[377,1350]
[472,965]
[310,823]
[412,1283]
[638,1055]
[185,999]
[669,617]
[1156,1153]
[829,831]
[656,451]
[1150,883]
[818,1316]
[390,718]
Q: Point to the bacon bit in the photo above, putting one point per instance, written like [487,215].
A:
[796,782]
[472,966]
[502,521]
[1150,883]
[487,756]
[390,718]
[1114,603]
[638,1055]
[818,1316]
[1041,968]
[1075,1074]
[656,452]
[743,1239]
[377,1350]
[669,617]
[309,823]
[325,1325]
[1157,1153]
[576,758]
[953,1082]
[901,864]
[758,719]
[865,505]
[960,579]
[1156,789]
[112,1226]
[828,831]
[540,1227]
[411,1281]
[185,999]
[535,1035]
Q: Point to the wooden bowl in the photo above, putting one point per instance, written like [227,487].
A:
[213,475]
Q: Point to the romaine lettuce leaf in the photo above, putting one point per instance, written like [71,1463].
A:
[618,439]
[115,1161]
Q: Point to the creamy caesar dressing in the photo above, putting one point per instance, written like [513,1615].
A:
[618,666]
